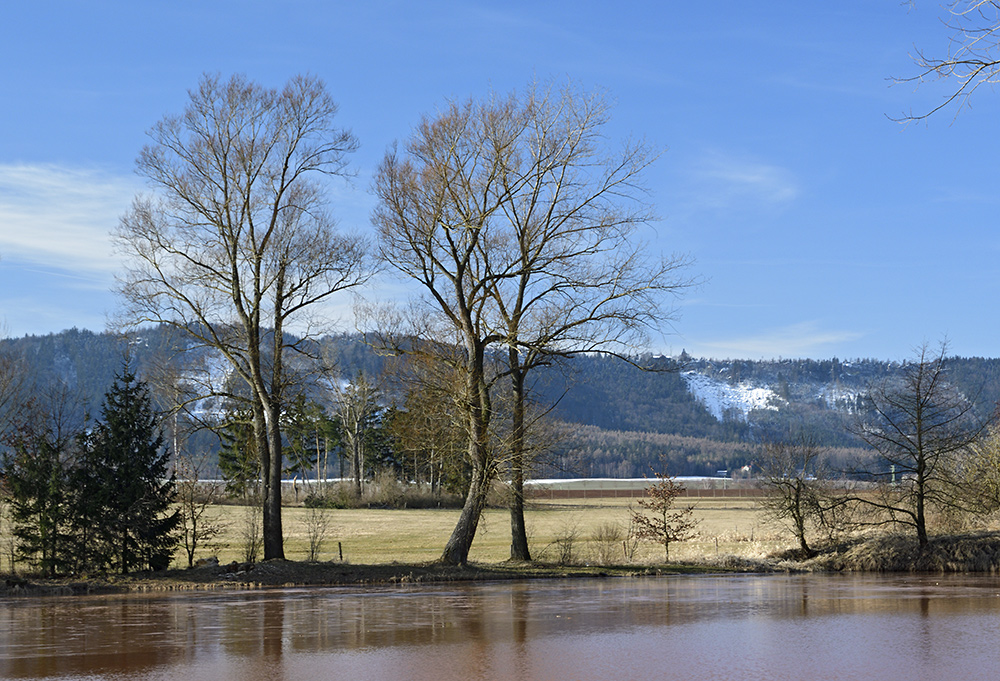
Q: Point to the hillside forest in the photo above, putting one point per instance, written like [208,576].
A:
[605,417]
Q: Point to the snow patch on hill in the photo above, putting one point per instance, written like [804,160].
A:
[209,374]
[722,398]
[838,397]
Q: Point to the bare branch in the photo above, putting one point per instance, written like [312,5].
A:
[972,59]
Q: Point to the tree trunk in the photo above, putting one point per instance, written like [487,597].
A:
[357,463]
[921,523]
[273,539]
[518,532]
[456,551]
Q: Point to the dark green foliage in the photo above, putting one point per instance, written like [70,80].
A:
[36,469]
[587,451]
[239,463]
[95,501]
[127,492]
[311,436]
[382,452]
[614,395]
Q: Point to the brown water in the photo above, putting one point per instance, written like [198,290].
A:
[732,627]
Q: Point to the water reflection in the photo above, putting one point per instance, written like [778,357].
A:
[773,627]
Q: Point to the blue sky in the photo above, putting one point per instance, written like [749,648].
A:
[820,227]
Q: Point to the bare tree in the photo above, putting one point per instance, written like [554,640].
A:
[357,405]
[663,524]
[972,58]
[521,231]
[792,476]
[433,217]
[236,245]
[980,476]
[199,524]
[922,429]
[572,276]
[317,523]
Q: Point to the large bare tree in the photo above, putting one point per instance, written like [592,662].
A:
[923,430]
[521,230]
[436,202]
[575,276]
[236,246]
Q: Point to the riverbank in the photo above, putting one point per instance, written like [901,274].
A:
[965,553]
[284,573]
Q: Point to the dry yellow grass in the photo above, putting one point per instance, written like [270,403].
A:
[375,536]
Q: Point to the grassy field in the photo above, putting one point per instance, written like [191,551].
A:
[376,536]
[391,546]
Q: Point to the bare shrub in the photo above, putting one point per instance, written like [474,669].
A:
[386,490]
[630,543]
[339,495]
[607,539]
[251,532]
[199,522]
[566,544]
[317,527]
[383,492]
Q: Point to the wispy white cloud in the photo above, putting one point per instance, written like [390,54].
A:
[739,180]
[718,181]
[805,339]
[60,217]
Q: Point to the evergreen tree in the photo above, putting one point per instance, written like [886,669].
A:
[300,427]
[35,471]
[43,444]
[239,462]
[126,490]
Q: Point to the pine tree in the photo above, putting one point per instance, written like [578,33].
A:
[126,490]
[239,462]
[43,448]
[35,474]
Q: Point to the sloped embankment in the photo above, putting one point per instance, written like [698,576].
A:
[971,552]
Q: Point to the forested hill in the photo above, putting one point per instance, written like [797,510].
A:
[737,400]
[732,401]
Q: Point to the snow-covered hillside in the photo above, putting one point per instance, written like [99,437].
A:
[722,398]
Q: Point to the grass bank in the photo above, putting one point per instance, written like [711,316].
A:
[582,528]
[569,538]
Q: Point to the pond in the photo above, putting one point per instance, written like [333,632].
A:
[680,627]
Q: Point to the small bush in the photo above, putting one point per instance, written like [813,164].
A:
[252,533]
[386,491]
[317,522]
[336,496]
[607,540]
[566,545]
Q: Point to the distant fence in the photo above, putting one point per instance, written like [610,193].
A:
[629,488]
[579,488]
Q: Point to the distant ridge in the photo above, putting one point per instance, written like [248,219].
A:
[713,411]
